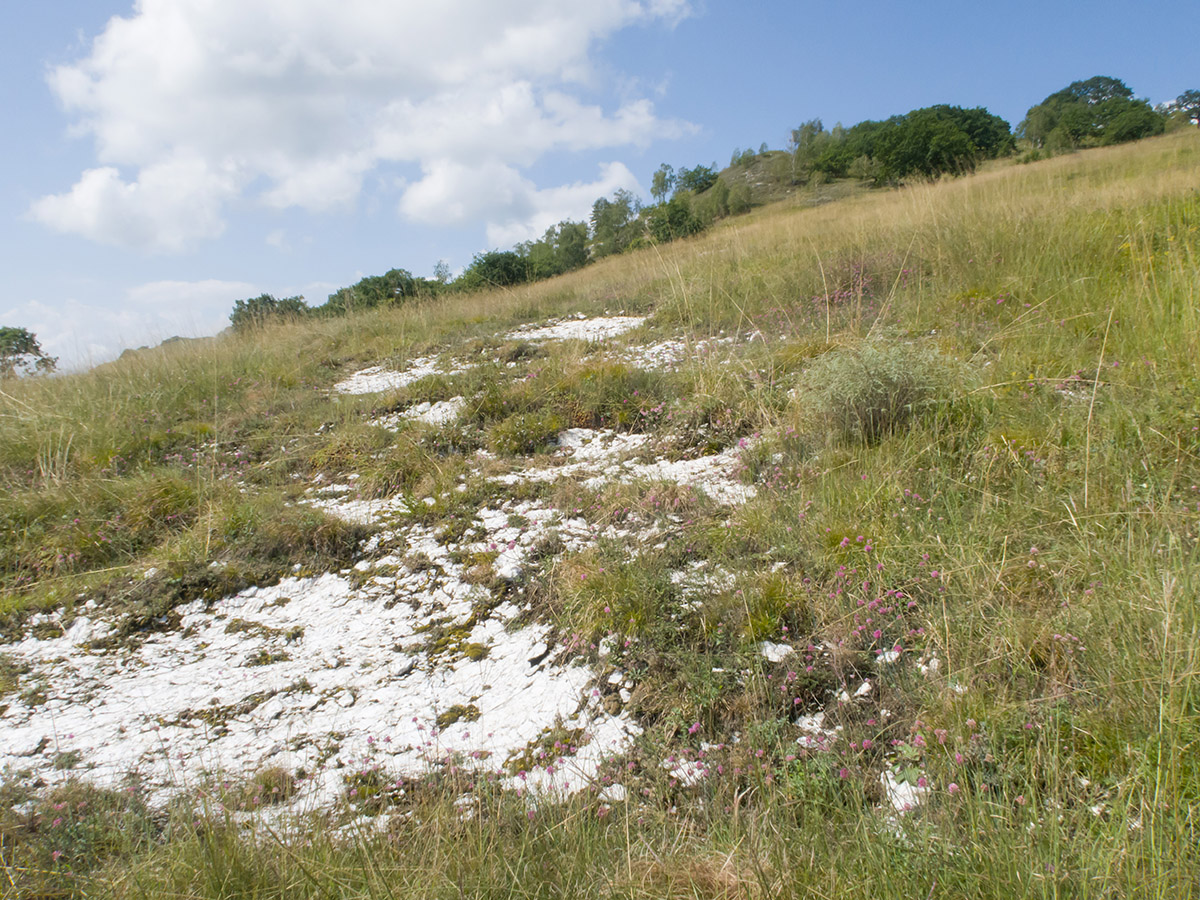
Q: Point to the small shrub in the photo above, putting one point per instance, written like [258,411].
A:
[609,395]
[11,671]
[63,835]
[268,787]
[774,602]
[597,593]
[868,392]
[345,449]
[524,433]
[259,311]
[458,713]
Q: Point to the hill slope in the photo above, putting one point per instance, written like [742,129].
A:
[843,551]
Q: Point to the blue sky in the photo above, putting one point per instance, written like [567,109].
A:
[166,158]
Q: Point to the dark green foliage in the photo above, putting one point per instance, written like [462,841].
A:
[662,182]
[673,219]
[832,153]
[1098,111]
[613,223]
[926,142]
[871,391]
[696,180]
[392,287]
[738,200]
[20,351]
[563,248]
[991,135]
[741,157]
[1131,121]
[1189,104]
[260,310]
[1097,89]
[496,268]
[570,245]
[808,142]
[714,204]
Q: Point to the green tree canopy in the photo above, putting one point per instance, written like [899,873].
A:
[259,310]
[925,142]
[1189,104]
[673,219]
[696,180]
[20,353]
[393,286]
[496,268]
[1097,89]
[808,142]
[562,248]
[1100,110]
[662,182]
[612,221]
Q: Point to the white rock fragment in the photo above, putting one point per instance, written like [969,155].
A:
[714,475]
[598,458]
[687,771]
[773,652]
[614,793]
[440,413]
[669,354]
[278,674]
[377,379]
[596,329]
[815,735]
[903,796]
[359,511]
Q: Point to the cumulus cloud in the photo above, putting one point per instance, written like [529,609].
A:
[83,333]
[193,104]
[549,206]
[169,205]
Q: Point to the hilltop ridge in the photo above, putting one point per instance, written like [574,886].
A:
[843,550]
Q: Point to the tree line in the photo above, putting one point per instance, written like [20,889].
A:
[923,143]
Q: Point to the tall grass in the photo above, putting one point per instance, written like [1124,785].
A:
[1028,521]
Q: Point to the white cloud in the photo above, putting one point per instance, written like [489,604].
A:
[193,104]
[514,207]
[552,205]
[452,193]
[171,204]
[85,333]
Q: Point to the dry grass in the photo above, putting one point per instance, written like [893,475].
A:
[1034,531]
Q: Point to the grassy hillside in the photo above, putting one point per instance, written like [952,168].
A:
[970,414]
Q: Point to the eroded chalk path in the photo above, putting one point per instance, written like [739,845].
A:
[406,662]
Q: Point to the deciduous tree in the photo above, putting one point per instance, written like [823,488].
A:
[696,180]
[20,353]
[1189,104]
[662,182]
[611,220]
[1099,110]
